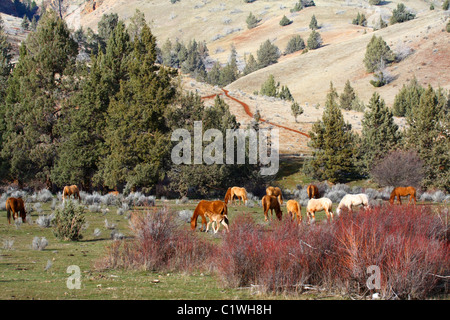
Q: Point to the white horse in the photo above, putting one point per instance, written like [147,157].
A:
[350,200]
[319,205]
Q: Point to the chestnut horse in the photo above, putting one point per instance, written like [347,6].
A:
[350,200]
[320,204]
[71,190]
[293,208]
[401,192]
[205,207]
[272,203]
[312,191]
[275,191]
[240,193]
[17,206]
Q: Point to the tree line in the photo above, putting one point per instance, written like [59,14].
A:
[105,121]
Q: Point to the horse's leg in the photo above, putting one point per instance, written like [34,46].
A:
[8,215]
[225,225]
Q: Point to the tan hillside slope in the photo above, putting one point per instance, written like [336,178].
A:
[308,75]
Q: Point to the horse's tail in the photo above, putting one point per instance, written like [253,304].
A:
[309,191]
[194,218]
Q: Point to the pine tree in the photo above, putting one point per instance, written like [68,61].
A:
[314,40]
[285,21]
[136,131]
[333,144]
[407,97]
[268,54]
[347,97]
[428,135]
[401,14]
[251,21]
[377,52]
[269,87]
[250,65]
[295,43]
[313,23]
[38,87]
[379,133]
[296,110]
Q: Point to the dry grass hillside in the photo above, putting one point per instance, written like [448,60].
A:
[222,25]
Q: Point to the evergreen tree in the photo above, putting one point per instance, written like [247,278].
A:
[379,133]
[333,144]
[251,65]
[313,23]
[401,14]
[428,134]
[347,97]
[285,21]
[445,5]
[193,64]
[37,88]
[295,43]
[268,54]
[296,110]
[269,87]
[136,131]
[251,21]
[407,97]
[377,51]
[314,40]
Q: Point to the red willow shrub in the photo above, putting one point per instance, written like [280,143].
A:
[159,244]
[407,243]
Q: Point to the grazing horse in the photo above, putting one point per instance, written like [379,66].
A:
[204,208]
[71,190]
[293,208]
[350,200]
[272,203]
[401,192]
[312,191]
[17,206]
[320,204]
[228,196]
[275,191]
[217,217]
[240,193]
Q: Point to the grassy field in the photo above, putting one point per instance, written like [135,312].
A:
[23,274]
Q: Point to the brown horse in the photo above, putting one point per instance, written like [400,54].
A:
[272,203]
[275,191]
[71,190]
[204,208]
[320,204]
[401,192]
[312,191]
[217,217]
[293,208]
[17,206]
[240,193]
[228,197]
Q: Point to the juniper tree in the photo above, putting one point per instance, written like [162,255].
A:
[251,21]
[295,43]
[332,142]
[38,86]
[285,21]
[250,65]
[428,134]
[296,110]
[313,23]
[407,97]
[269,87]
[314,40]
[136,135]
[268,54]
[401,14]
[377,51]
[347,97]
[379,133]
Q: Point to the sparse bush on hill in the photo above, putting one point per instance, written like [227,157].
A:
[285,21]
[295,43]
[360,20]
[377,51]
[268,54]
[401,14]
[251,21]
[314,40]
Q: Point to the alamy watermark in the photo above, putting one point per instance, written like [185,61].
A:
[374,280]
[74,280]
[263,146]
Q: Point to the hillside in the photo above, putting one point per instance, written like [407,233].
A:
[222,25]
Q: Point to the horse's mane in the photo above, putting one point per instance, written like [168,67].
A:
[227,196]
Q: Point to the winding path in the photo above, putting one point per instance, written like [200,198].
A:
[250,114]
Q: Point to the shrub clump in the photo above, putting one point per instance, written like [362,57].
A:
[68,222]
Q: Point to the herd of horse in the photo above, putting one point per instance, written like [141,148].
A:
[217,211]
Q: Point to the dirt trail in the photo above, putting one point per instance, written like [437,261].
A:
[250,114]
